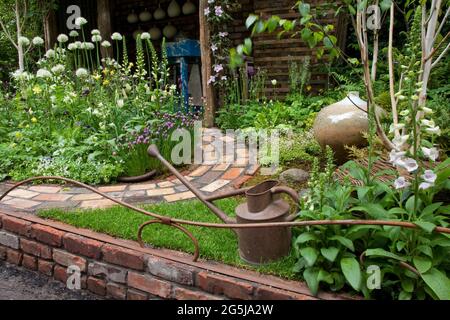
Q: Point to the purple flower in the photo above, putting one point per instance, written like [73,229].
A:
[219,11]
[207,12]
[218,68]
[223,34]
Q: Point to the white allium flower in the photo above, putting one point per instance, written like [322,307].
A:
[409,164]
[43,73]
[50,54]
[401,183]
[62,38]
[59,68]
[145,36]
[72,46]
[431,153]
[78,44]
[21,75]
[274,82]
[24,41]
[106,44]
[95,32]
[82,73]
[80,21]
[429,176]
[425,186]
[38,41]
[74,34]
[96,38]
[116,36]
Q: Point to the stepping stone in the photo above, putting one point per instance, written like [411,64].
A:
[216,185]
[221,167]
[51,197]
[138,187]
[200,171]
[160,192]
[251,171]
[209,177]
[87,196]
[22,203]
[24,194]
[45,189]
[112,189]
[179,197]
[232,174]
[166,184]
[97,204]
[59,205]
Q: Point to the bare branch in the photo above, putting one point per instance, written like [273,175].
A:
[441,56]
[7,33]
[442,23]
[391,70]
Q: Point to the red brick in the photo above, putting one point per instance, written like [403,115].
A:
[172,271]
[149,284]
[14,257]
[60,274]
[136,295]
[36,249]
[116,291]
[45,267]
[217,284]
[2,253]
[186,294]
[47,235]
[96,286]
[268,293]
[123,257]
[239,182]
[67,259]
[29,262]
[18,226]
[82,246]
[232,174]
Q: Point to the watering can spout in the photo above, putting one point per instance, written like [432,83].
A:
[153,151]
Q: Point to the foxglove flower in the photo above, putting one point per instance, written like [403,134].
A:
[409,164]
[425,186]
[401,183]
[431,153]
[429,176]
[399,142]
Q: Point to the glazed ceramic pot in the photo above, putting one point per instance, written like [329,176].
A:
[174,9]
[189,8]
[159,13]
[342,124]
[169,31]
[155,33]
[132,17]
[145,16]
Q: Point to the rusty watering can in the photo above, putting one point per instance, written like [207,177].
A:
[264,205]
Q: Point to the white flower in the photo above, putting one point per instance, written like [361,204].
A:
[428,123]
[116,36]
[106,44]
[145,36]
[38,41]
[425,186]
[401,183]
[218,68]
[212,79]
[21,75]
[50,54]
[80,21]
[24,41]
[72,46]
[87,46]
[399,126]
[400,141]
[78,44]
[96,38]
[120,103]
[409,164]
[274,82]
[429,176]
[427,110]
[95,32]
[43,73]
[74,34]
[434,130]
[82,73]
[431,153]
[62,38]
[59,68]
[395,156]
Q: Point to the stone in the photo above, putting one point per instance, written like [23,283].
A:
[232,174]
[218,184]
[45,189]
[22,203]
[87,196]
[24,194]
[149,284]
[109,272]
[179,196]
[9,240]
[52,197]
[139,187]
[294,176]
[97,204]
[160,192]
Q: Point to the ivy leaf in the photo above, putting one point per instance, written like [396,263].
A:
[311,276]
[327,43]
[383,253]
[422,264]
[251,20]
[352,272]
[330,253]
[310,255]
[438,282]
[344,241]
[427,226]
[304,9]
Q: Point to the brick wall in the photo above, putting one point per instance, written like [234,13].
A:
[122,270]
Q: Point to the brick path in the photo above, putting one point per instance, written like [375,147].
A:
[209,177]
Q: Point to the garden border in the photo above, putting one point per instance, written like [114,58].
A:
[121,269]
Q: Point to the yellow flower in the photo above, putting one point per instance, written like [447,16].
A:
[19,135]
[34,120]
[97,77]
[106,82]
[37,89]
[112,72]
[308,88]
[105,71]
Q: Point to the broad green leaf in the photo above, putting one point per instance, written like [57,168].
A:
[385,4]
[305,237]
[251,20]
[431,208]
[352,272]
[404,295]
[330,253]
[407,285]
[304,9]
[438,282]
[427,226]
[310,255]
[328,43]
[311,276]
[422,264]
[374,210]
[325,277]
[383,253]
[344,241]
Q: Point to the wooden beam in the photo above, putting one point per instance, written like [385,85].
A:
[208,90]
[104,24]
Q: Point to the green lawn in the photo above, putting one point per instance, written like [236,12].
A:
[215,244]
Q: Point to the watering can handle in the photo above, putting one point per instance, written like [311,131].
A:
[291,193]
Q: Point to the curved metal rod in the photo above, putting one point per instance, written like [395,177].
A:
[175,225]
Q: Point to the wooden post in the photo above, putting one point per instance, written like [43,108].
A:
[50,29]
[104,24]
[208,90]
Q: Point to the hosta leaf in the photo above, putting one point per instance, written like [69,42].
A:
[352,272]
[330,253]
[251,20]
[325,277]
[438,282]
[305,237]
[427,226]
[383,253]
[311,276]
[422,264]
[310,255]
[344,241]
